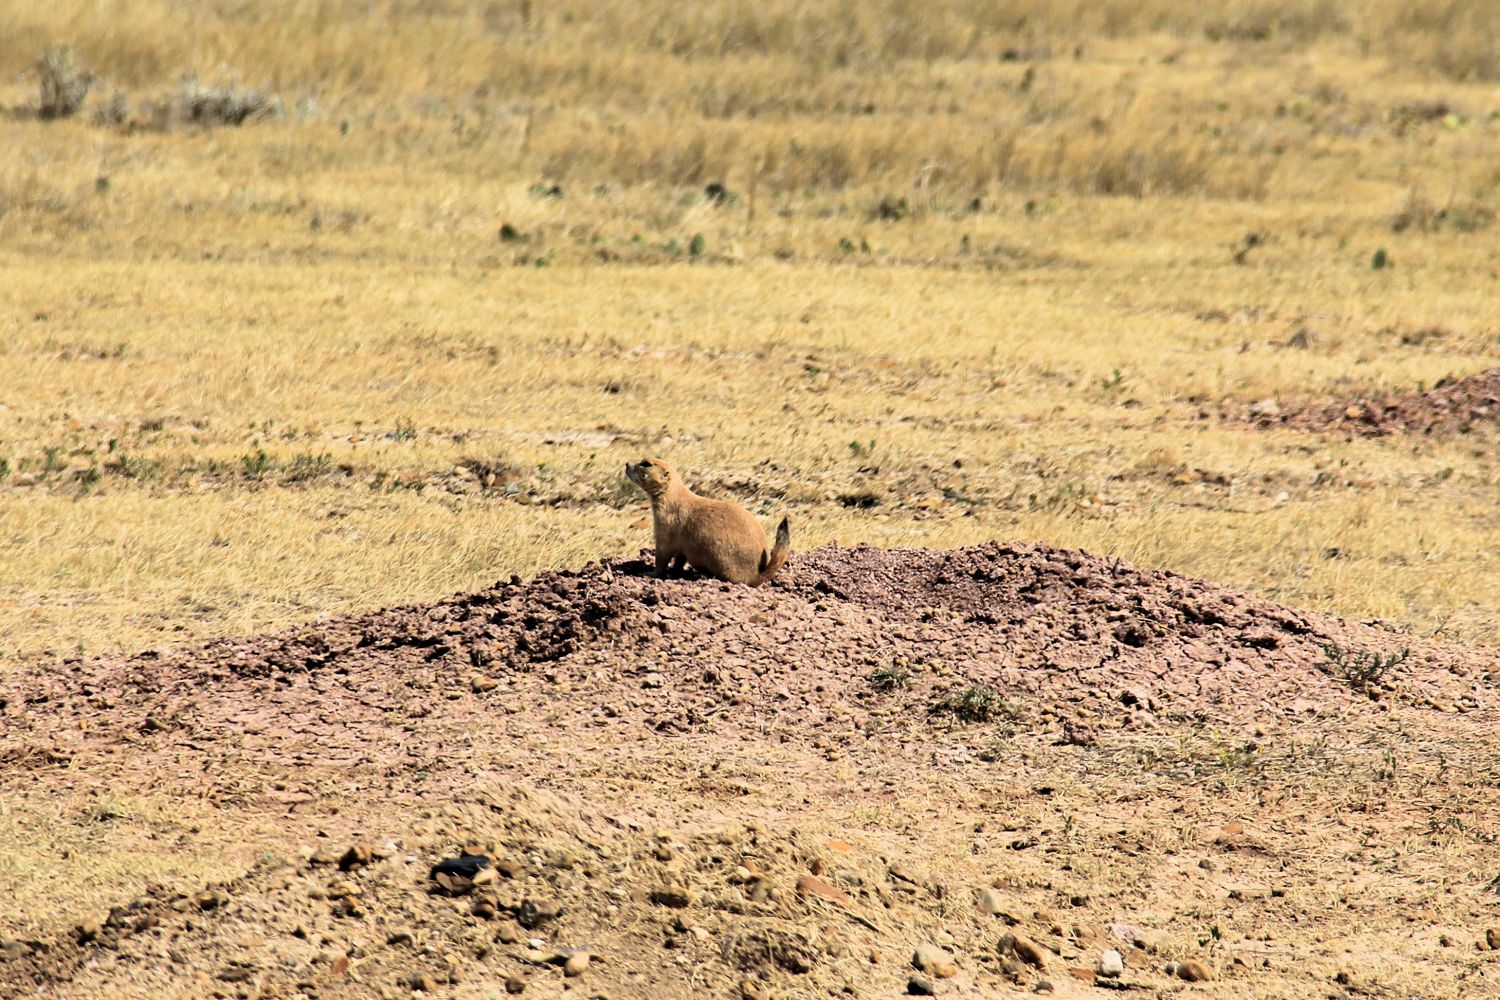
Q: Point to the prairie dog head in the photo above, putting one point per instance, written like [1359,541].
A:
[652,475]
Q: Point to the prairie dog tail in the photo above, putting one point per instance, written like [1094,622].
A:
[770,563]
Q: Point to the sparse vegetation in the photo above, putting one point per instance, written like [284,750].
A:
[978,703]
[256,464]
[222,103]
[64,84]
[890,677]
[1362,669]
[306,467]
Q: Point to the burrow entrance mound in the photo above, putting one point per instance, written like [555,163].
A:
[1460,405]
[847,641]
[434,710]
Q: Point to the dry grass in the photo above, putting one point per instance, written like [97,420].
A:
[240,365]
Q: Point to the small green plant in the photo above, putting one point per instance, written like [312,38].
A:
[1114,383]
[1361,669]
[52,459]
[858,448]
[979,703]
[4,467]
[848,246]
[405,430]
[1240,251]
[1380,261]
[892,209]
[307,466]
[256,464]
[891,677]
[696,245]
[135,468]
[510,234]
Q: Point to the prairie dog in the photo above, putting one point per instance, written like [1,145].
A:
[716,537]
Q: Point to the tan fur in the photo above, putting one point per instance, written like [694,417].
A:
[716,537]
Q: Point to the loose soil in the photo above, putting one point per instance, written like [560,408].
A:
[1022,755]
[1452,405]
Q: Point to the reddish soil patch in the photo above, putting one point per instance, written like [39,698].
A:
[861,676]
[1452,405]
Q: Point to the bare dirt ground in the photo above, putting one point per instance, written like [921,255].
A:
[1460,405]
[687,788]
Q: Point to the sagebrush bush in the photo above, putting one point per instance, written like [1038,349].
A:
[64,85]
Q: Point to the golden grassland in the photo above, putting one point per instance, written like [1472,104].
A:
[983,271]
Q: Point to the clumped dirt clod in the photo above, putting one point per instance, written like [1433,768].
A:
[608,682]
[1458,405]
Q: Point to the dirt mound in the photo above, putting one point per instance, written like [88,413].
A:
[1452,405]
[847,637]
[420,732]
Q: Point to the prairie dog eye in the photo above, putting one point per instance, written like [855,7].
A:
[644,464]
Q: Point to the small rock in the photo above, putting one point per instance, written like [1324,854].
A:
[515,985]
[920,986]
[323,856]
[87,930]
[1025,949]
[934,961]
[339,888]
[811,885]
[1193,971]
[673,896]
[400,936]
[356,856]
[479,683]
[577,964]
[1265,408]
[990,901]
[210,900]
[421,982]
[510,868]
[1492,938]
[535,912]
[1045,986]
[484,909]
[459,875]
[1111,964]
